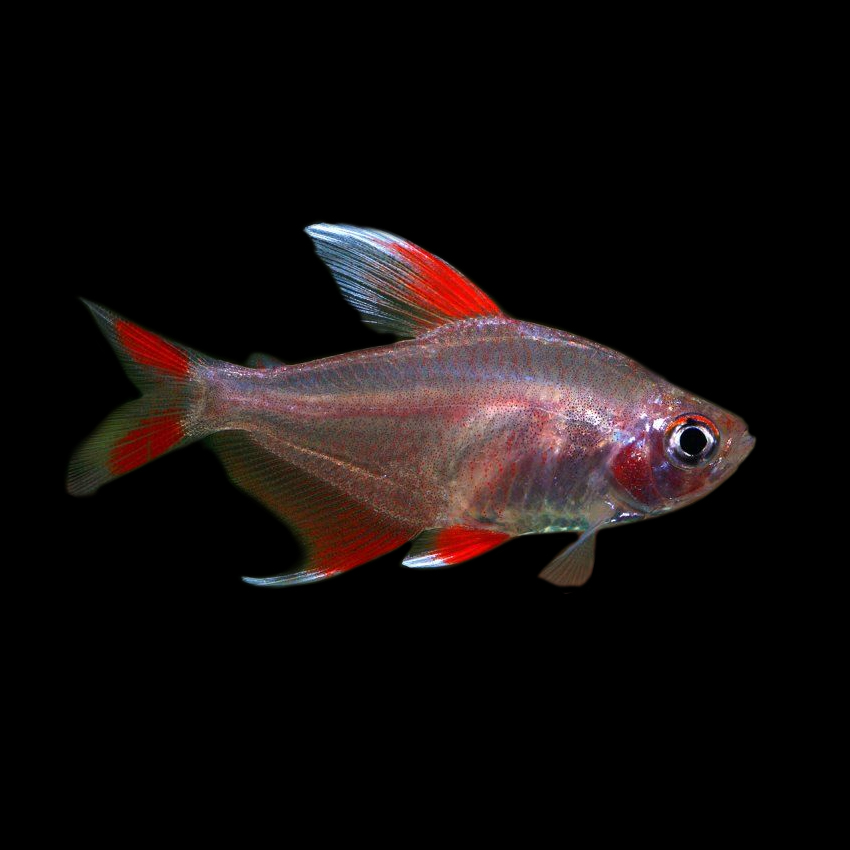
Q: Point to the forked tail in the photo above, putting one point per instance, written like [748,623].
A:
[167,416]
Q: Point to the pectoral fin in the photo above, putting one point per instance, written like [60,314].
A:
[572,568]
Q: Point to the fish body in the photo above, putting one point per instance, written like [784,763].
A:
[477,429]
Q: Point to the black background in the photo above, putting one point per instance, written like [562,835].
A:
[646,233]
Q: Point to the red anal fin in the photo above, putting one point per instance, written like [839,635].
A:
[148,349]
[396,286]
[338,532]
[442,547]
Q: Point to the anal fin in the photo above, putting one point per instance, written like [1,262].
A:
[337,532]
[443,547]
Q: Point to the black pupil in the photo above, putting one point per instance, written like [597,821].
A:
[693,441]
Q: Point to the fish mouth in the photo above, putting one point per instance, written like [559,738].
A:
[739,451]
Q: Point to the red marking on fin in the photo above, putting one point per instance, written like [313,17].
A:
[396,286]
[148,349]
[153,437]
[338,532]
[443,547]
[442,287]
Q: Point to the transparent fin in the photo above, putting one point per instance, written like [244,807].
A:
[396,286]
[572,568]
[263,361]
[337,532]
[443,547]
[166,417]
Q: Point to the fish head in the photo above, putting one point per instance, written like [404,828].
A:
[676,449]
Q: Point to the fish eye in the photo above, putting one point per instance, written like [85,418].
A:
[692,440]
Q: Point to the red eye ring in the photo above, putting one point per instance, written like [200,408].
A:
[701,440]
[694,419]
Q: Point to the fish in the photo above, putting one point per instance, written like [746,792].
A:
[472,429]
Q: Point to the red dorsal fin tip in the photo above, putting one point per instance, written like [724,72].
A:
[396,286]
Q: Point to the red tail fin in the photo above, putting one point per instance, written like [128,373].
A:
[165,417]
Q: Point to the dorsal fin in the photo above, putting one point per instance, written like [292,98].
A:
[395,285]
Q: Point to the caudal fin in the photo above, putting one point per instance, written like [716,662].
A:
[166,417]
